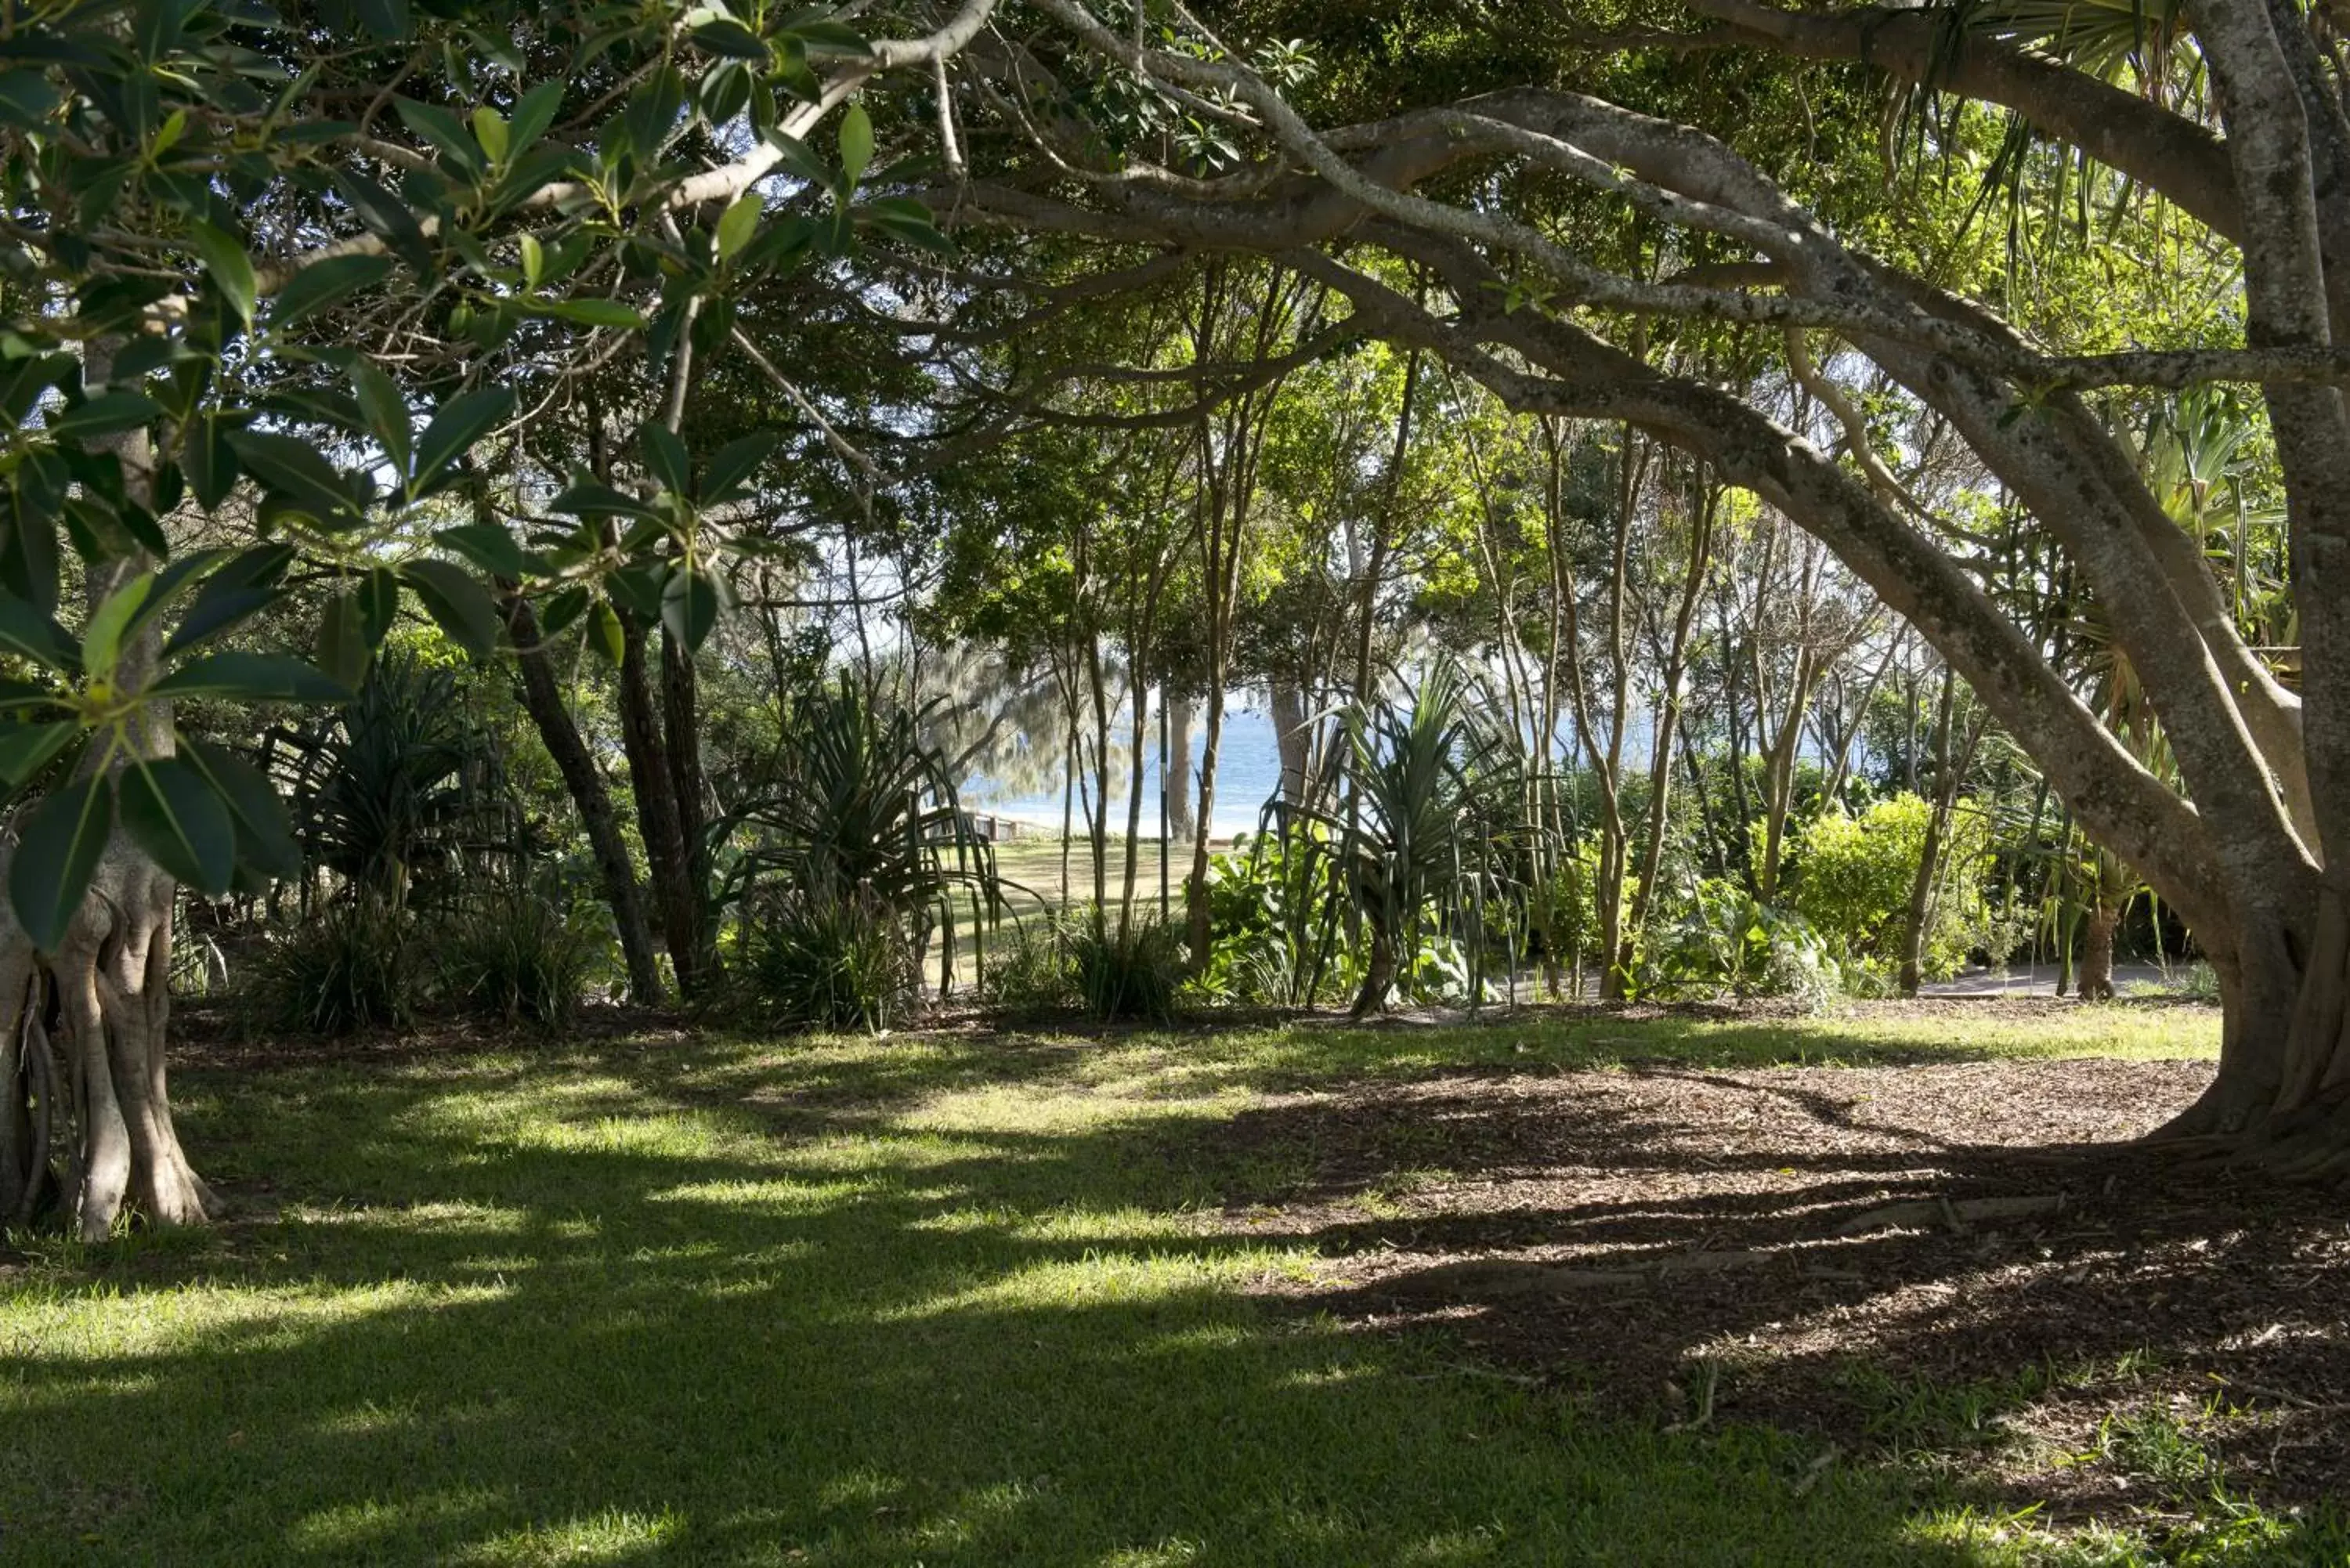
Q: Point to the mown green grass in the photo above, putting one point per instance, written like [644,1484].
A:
[937,1299]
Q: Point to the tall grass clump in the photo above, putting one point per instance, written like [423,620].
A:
[356,965]
[517,957]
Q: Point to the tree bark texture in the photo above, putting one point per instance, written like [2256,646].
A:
[542,696]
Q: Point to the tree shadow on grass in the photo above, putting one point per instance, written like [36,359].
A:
[1854,1254]
[596,1310]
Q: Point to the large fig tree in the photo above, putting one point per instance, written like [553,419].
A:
[1560,236]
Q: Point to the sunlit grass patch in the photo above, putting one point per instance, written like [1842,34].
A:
[956,1300]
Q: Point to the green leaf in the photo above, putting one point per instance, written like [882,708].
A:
[462,606]
[386,409]
[231,269]
[611,638]
[591,311]
[101,640]
[733,463]
[27,631]
[487,545]
[386,216]
[321,284]
[460,422]
[534,114]
[590,499]
[108,413]
[265,834]
[387,19]
[729,40]
[444,130]
[173,581]
[57,852]
[534,261]
[173,812]
[856,141]
[738,223]
[379,602]
[343,653]
[800,160]
[559,612]
[27,749]
[688,608]
[209,463]
[26,98]
[490,130]
[293,470]
[665,457]
[251,678]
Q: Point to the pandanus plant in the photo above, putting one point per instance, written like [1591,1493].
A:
[1406,829]
[864,813]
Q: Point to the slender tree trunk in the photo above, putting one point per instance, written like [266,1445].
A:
[1181,823]
[2097,950]
[1288,705]
[1930,856]
[682,741]
[653,783]
[1383,530]
[543,698]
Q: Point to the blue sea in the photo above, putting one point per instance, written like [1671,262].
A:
[1248,772]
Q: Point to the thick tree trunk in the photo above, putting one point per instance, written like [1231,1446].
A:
[2281,1096]
[88,1130]
[543,697]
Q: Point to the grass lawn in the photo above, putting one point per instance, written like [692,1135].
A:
[940,1300]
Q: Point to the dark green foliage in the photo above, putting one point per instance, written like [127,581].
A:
[399,785]
[1136,971]
[1421,837]
[847,862]
[1082,960]
[1277,935]
[862,804]
[1728,943]
[518,957]
[812,962]
[1027,973]
[357,965]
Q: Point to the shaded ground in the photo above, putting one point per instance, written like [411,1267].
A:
[1288,1292]
[1880,1256]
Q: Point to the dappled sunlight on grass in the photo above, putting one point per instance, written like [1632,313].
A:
[854,1302]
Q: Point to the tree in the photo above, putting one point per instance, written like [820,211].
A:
[1513,202]
[272,282]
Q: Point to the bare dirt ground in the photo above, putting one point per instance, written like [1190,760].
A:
[1952,1261]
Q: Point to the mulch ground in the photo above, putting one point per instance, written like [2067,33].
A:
[1951,1258]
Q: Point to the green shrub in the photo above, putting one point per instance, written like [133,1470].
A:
[1028,972]
[1079,959]
[1136,973]
[1853,876]
[355,965]
[809,962]
[517,957]
[1278,932]
[1728,943]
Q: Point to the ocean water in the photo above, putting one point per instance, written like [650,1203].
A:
[1248,772]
